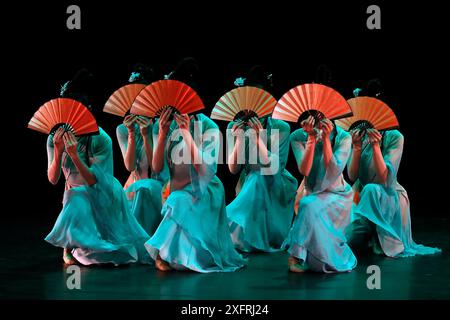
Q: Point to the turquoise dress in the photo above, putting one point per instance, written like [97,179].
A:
[262,212]
[194,232]
[382,217]
[95,222]
[317,236]
[143,192]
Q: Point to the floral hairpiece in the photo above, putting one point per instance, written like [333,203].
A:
[239,82]
[167,76]
[356,92]
[64,88]
[134,76]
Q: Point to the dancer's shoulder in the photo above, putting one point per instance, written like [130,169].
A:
[281,125]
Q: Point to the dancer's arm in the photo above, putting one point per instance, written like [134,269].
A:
[305,164]
[183,122]
[263,153]
[144,125]
[71,144]
[380,165]
[239,147]
[127,143]
[54,154]
[327,127]
[353,168]
[158,156]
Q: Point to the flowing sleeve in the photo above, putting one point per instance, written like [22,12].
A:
[278,149]
[122,138]
[280,153]
[341,153]
[230,125]
[228,132]
[50,150]
[107,195]
[164,175]
[298,141]
[101,154]
[108,198]
[243,172]
[229,136]
[392,154]
[349,161]
[209,147]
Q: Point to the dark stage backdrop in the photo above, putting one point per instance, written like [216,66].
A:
[290,37]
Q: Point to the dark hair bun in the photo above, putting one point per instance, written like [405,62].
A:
[258,76]
[80,88]
[142,73]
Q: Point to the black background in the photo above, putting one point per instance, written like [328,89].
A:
[291,38]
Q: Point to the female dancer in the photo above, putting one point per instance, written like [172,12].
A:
[316,240]
[261,215]
[382,218]
[193,234]
[94,226]
[136,143]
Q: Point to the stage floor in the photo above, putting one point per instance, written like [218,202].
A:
[33,269]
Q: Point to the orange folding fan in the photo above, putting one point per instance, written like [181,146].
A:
[122,99]
[315,99]
[243,102]
[369,113]
[160,94]
[73,115]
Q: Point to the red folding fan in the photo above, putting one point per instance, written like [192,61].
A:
[122,99]
[314,99]
[243,102]
[71,114]
[369,113]
[164,93]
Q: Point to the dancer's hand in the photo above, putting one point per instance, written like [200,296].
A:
[374,136]
[327,126]
[357,136]
[255,124]
[308,126]
[144,123]
[164,121]
[236,126]
[183,121]
[129,121]
[71,144]
[58,141]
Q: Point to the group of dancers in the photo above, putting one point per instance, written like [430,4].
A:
[174,215]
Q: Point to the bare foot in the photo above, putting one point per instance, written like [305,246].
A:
[68,258]
[162,265]
[295,265]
